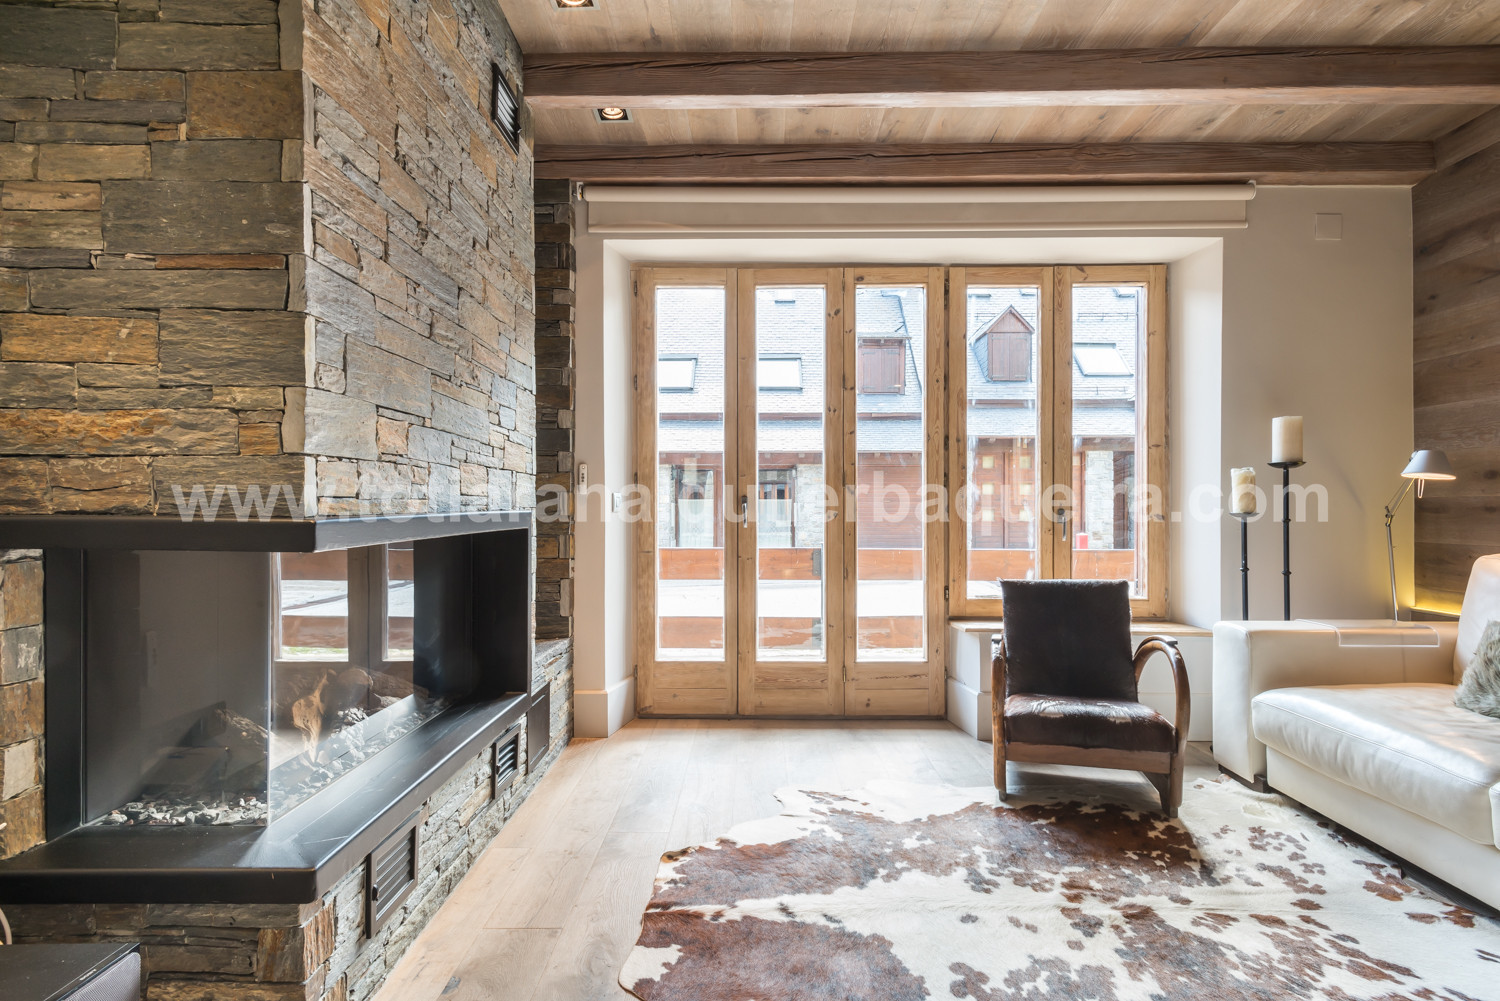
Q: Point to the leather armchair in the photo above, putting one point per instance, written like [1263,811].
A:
[1065,686]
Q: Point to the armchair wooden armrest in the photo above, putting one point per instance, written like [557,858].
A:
[1170,784]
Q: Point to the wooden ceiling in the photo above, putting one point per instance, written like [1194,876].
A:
[662,27]
[989,25]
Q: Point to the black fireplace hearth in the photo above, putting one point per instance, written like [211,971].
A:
[259,703]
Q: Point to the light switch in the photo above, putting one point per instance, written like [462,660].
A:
[1328,226]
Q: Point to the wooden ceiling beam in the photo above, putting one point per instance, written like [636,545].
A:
[1023,163]
[678,81]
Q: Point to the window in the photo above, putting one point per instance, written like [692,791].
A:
[1099,360]
[343,685]
[882,365]
[1062,469]
[676,375]
[777,516]
[313,606]
[779,372]
[693,520]
[505,108]
[400,588]
[1005,341]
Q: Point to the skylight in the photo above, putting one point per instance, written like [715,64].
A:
[1099,359]
[675,375]
[784,372]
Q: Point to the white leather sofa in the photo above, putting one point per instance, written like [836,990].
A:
[1368,735]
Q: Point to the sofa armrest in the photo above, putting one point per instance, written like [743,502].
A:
[1255,657]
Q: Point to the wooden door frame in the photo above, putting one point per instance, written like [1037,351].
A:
[1055,417]
[683,688]
[1151,369]
[735,691]
[884,688]
[758,696]
[959,280]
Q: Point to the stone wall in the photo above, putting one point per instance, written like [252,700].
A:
[316,951]
[556,269]
[21,808]
[265,242]
[150,217]
[420,280]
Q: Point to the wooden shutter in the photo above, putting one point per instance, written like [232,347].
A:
[881,366]
[1009,347]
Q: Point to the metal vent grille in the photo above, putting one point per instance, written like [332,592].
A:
[391,873]
[506,109]
[507,760]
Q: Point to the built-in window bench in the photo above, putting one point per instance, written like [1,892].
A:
[969,643]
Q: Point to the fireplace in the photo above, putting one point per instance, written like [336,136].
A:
[227,688]
[251,701]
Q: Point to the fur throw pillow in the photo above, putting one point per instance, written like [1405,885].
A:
[1479,691]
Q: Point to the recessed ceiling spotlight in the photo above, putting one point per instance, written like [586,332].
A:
[612,114]
[573,4]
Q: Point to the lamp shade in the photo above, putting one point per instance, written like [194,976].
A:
[1429,464]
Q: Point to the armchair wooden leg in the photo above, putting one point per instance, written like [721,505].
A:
[1174,783]
[1162,783]
[1000,783]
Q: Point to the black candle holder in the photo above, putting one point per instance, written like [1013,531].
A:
[1286,535]
[1244,518]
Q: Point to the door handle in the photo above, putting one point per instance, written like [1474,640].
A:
[744,518]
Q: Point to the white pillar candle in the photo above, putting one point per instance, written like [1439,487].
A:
[1286,439]
[1242,490]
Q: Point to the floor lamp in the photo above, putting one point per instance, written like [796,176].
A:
[1426,464]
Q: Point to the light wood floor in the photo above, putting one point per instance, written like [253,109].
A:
[554,904]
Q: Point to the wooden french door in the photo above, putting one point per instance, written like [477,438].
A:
[786,425]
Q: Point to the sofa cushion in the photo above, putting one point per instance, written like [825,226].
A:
[1479,689]
[1481,604]
[1407,744]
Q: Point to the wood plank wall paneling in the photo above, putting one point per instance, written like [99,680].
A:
[1456,376]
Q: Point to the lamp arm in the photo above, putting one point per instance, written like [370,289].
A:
[1390,543]
[1395,503]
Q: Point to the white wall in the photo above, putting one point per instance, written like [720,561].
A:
[1264,321]
[603,672]
[1322,329]
[1194,427]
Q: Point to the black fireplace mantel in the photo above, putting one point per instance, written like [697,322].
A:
[274,535]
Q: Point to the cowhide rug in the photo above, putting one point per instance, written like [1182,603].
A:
[900,891]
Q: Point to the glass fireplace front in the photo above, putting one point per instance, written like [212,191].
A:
[225,688]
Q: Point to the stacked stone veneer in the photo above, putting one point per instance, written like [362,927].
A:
[257,243]
[319,950]
[261,243]
[150,212]
[423,383]
[21,813]
[556,269]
